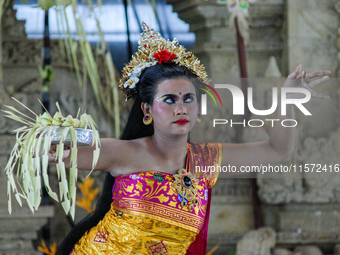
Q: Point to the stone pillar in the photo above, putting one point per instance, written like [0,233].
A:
[216,42]
[21,228]
[311,28]
[311,39]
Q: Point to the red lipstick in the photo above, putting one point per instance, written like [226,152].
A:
[181,122]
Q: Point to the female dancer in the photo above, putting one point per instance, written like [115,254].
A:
[158,203]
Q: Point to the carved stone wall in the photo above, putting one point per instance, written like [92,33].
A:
[293,32]
[318,135]
[308,201]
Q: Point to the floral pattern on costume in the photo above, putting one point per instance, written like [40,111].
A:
[101,237]
[158,249]
[159,177]
[134,176]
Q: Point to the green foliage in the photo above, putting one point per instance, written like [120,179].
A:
[232,252]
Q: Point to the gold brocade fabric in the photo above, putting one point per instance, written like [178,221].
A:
[129,234]
[146,215]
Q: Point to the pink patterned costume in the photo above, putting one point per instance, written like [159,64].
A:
[149,216]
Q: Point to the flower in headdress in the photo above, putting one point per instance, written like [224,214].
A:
[164,56]
[138,70]
[131,83]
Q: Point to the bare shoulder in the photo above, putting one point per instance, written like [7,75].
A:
[116,154]
[121,145]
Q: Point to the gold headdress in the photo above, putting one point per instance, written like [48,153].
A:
[155,49]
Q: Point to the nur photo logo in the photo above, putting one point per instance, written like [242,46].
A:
[204,98]
[239,104]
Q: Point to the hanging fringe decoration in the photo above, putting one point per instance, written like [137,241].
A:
[239,11]
[30,155]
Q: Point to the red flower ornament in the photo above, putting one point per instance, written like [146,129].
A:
[164,56]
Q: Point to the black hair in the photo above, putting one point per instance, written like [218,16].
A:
[146,90]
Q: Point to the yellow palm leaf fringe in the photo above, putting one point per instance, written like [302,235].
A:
[30,154]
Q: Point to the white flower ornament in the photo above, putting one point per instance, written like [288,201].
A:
[131,83]
[134,75]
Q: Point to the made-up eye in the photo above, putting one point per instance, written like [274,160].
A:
[169,100]
[189,99]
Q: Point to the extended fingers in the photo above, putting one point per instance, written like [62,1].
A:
[66,153]
[318,73]
[306,80]
[52,153]
[296,72]
[53,149]
[318,95]
[310,85]
[315,83]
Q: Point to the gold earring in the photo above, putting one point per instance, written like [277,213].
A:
[199,117]
[147,119]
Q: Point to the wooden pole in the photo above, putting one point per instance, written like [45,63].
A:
[244,80]
[243,68]
[46,61]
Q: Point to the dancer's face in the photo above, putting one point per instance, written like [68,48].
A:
[175,107]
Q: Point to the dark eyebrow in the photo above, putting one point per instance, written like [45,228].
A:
[169,95]
[189,94]
[176,96]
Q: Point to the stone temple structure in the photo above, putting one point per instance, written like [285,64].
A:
[300,211]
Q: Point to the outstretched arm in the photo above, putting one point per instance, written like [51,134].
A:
[281,142]
[111,152]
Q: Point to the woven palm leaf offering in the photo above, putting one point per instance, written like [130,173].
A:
[30,155]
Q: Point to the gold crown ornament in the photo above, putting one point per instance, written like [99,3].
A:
[154,49]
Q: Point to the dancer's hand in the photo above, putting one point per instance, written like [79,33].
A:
[52,153]
[299,79]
